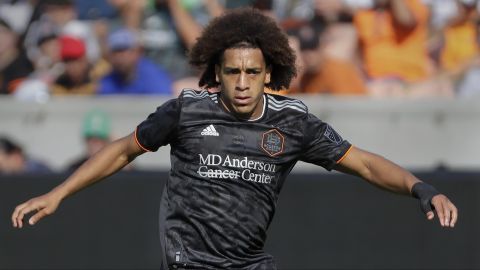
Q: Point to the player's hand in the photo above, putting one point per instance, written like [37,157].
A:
[446,211]
[43,205]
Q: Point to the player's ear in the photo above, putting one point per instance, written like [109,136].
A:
[268,74]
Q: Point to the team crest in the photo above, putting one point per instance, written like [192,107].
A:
[272,142]
[332,135]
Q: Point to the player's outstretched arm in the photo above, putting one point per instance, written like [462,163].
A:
[387,175]
[107,161]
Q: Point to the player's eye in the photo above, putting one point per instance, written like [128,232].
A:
[253,71]
[231,71]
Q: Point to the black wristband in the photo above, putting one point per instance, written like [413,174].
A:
[424,192]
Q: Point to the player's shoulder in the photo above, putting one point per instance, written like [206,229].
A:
[194,94]
[284,103]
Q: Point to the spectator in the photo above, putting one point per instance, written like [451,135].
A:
[42,33]
[393,40]
[393,36]
[45,52]
[163,43]
[14,65]
[79,76]
[441,13]
[454,44]
[47,65]
[328,50]
[460,55]
[96,132]
[325,74]
[169,29]
[460,38]
[60,16]
[84,31]
[132,73]
[13,159]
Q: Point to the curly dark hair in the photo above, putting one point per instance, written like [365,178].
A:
[235,29]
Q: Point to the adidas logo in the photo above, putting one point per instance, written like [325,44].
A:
[210,131]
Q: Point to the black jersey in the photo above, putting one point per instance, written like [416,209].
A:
[227,173]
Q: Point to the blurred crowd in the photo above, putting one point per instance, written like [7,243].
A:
[96,132]
[393,48]
[373,48]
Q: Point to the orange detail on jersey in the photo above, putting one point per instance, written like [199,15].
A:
[139,144]
[273,142]
[344,155]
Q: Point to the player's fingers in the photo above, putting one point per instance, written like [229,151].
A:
[39,215]
[430,215]
[15,214]
[20,212]
[440,213]
[446,213]
[27,209]
[454,214]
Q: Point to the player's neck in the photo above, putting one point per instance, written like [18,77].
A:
[254,115]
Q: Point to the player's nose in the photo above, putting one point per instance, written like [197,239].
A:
[242,81]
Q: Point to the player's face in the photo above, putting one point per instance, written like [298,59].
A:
[242,75]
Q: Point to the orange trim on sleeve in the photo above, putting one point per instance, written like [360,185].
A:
[344,155]
[139,144]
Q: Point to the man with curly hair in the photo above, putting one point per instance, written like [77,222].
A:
[232,150]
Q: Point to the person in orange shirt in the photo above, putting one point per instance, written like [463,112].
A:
[460,45]
[393,40]
[328,48]
[324,72]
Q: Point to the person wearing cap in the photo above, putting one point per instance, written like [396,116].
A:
[132,73]
[96,133]
[14,65]
[54,19]
[80,77]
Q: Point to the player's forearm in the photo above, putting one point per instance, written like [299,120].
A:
[106,162]
[388,175]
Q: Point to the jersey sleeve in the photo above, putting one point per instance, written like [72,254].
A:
[323,146]
[159,128]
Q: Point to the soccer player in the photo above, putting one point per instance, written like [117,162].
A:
[232,150]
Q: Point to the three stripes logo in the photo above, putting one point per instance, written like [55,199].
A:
[210,131]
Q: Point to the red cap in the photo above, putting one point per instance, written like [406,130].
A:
[71,48]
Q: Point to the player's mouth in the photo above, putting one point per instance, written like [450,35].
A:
[242,101]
